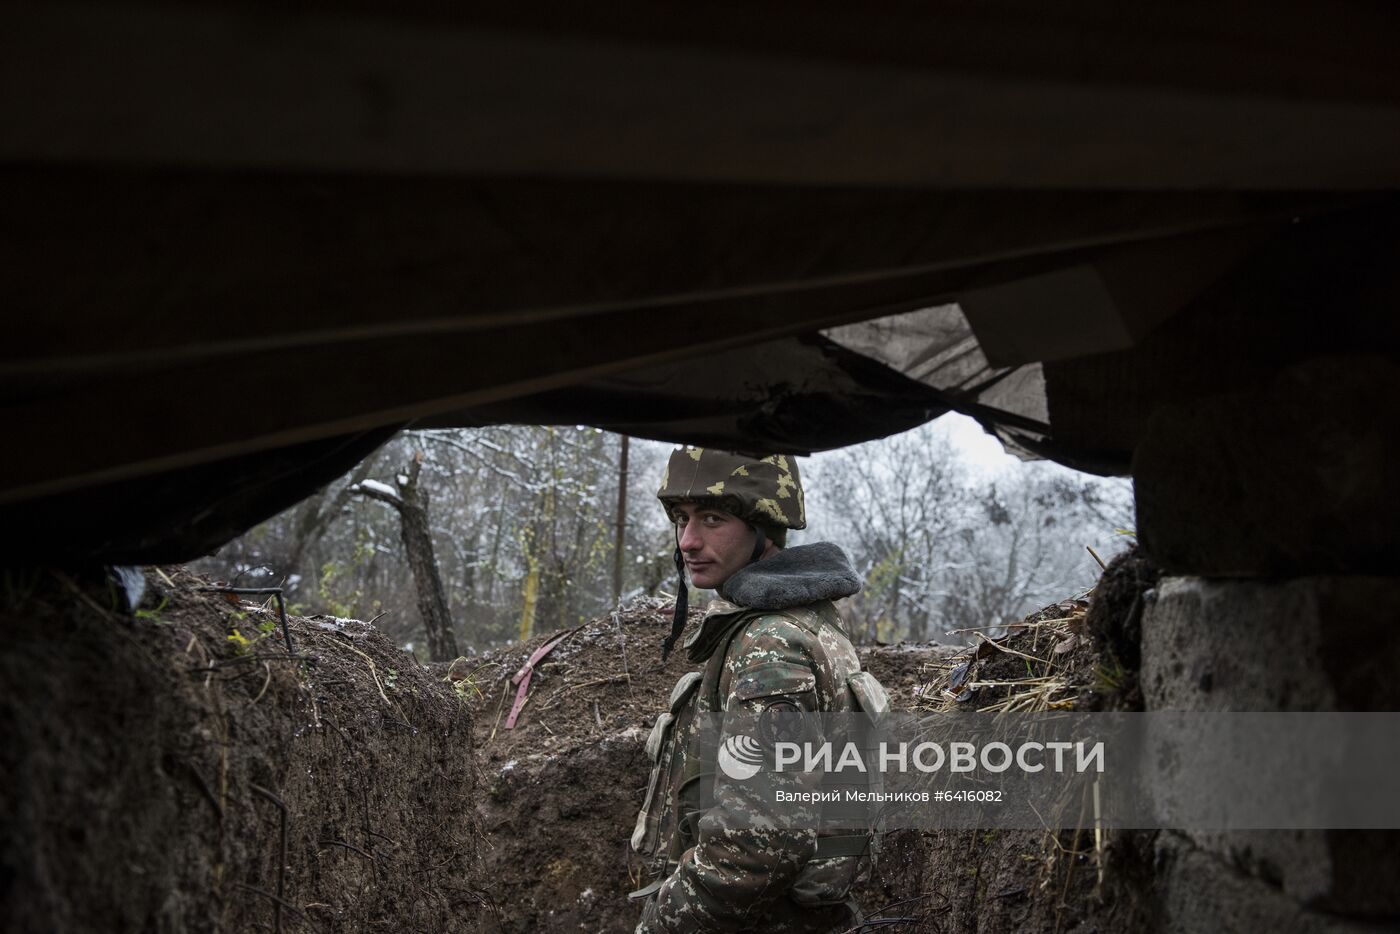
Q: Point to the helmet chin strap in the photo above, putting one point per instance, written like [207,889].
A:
[759,543]
[683,592]
[682,605]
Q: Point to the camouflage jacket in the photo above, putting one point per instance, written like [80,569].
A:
[776,643]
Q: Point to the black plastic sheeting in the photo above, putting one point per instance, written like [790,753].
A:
[791,396]
[794,396]
[178,515]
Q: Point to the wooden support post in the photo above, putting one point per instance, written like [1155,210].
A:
[618,549]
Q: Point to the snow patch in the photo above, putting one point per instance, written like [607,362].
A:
[377,487]
[337,623]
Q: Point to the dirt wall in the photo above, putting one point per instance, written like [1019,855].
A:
[172,769]
[561,789]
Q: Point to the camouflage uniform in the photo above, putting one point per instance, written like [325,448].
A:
[775,644]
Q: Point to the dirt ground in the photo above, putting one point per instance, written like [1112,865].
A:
[561,789]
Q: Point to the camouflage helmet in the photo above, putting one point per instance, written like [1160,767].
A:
[764,491]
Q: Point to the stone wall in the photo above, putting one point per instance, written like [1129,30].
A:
[1271,513]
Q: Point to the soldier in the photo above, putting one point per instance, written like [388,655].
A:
[773,644]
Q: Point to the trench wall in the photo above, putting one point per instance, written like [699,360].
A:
[158,776]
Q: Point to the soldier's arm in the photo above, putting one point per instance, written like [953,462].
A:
[745,857]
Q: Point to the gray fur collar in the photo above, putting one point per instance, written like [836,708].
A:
[793,577]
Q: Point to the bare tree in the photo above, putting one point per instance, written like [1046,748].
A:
[896,501]
[411,502]
[503,499]
[944,546]
[315,515]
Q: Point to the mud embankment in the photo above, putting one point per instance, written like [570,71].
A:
[170,768]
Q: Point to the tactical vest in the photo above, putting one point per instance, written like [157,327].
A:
[681,786]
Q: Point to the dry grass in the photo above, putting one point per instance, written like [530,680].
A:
[1042,663]
[1052,648]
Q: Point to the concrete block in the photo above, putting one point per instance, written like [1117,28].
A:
[1311,643]
[1339,871]
[1202,894]
[1307,644]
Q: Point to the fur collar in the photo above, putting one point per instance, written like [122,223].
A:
[793,577]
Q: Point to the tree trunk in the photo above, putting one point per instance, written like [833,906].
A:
[412,506]
[471,561]
[418,547]
[918,619]
[619,546]
[315,517]
[529,596]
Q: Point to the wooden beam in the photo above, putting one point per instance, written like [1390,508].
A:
[110,270]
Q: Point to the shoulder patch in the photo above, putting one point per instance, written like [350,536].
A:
[771,679]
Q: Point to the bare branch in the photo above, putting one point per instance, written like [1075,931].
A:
[373,489]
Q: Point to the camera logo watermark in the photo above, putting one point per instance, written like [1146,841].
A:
[740,757]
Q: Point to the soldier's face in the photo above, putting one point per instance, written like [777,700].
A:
[714,544]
